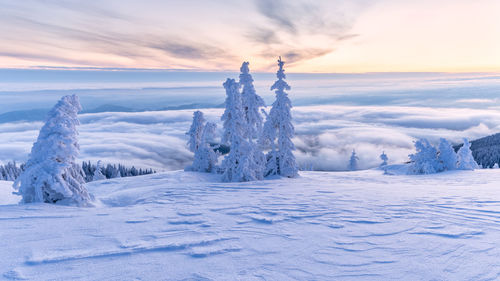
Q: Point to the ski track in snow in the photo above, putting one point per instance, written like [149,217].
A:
[322,226]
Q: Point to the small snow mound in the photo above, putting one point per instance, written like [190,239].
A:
[6,195]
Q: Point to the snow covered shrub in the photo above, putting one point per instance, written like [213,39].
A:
[237,165]
[279,124]
[465,159]
[425,160]
[447,157]
[353,162]
[205,157]
[51,174]
[384,159]
[195,131]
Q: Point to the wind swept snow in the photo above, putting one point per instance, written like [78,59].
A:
[321,226]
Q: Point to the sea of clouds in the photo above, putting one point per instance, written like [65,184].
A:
[332,116]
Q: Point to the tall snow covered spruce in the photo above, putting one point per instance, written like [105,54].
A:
[465,159]
[51,174]
[278,124]
[353,161]
[251,103]
[237,165]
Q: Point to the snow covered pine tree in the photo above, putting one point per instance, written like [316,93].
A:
[205,158]
[251,103]
[465,159]
[51,174]
[280,160]
[98,175]
[195,131]
[353,162]
[236,166]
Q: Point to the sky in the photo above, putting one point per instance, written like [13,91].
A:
[334,36]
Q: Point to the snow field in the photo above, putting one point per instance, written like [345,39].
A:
[359,225]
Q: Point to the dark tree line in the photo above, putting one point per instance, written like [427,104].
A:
[12,170]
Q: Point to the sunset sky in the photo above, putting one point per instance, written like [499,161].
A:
[312,36]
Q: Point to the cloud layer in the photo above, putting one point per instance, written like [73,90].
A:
[325,137]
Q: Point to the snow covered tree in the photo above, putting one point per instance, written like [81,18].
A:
[195,131]
[465,159]
[205,158]
[353,161]
[251,103]
[425,160]
[98,175]
[51,174]
[279,124]
[237,165]
[384,159]
[447,157]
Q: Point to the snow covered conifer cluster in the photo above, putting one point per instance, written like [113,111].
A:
[246,133]
[51,174]
[428,159]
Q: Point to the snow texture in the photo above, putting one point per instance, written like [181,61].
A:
[51,174]
[321,226]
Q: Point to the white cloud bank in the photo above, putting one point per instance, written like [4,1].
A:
[325,138]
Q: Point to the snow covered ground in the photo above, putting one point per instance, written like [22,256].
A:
[322,226]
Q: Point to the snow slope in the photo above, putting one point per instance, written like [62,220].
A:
[322,226]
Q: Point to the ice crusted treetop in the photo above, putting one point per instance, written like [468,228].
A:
[280,85]
[51,174]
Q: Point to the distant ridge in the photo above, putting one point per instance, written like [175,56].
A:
[40,113]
